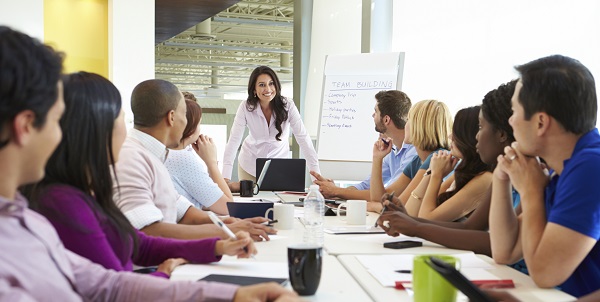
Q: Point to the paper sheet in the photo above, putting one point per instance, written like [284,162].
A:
[383,238]
[254,199]
[359,229]
[383,267]
[234,267]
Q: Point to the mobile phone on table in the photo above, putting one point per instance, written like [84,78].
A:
[458,280]
[402,244]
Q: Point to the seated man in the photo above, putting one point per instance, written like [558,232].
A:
[34,264]
[554,117]
[390,116]
[144,190]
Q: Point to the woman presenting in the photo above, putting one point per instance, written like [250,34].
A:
[269,117]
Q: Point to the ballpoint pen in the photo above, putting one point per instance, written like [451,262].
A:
[390,197]
[225,229]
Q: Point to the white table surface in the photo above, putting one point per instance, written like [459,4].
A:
[344,278]
[525,289]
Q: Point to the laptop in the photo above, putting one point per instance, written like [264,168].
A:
[281,174]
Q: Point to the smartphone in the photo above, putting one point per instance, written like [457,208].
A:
[402,244]
[458,280]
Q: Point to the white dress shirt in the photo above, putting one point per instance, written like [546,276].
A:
[261,140]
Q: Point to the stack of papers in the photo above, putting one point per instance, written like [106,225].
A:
[254,199]
[384,267]
[359,229]
[234,268]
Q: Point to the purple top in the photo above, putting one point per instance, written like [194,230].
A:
[35,266]
[88,233]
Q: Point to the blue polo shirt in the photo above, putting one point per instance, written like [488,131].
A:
[416,164]
[392,167]
[573,201]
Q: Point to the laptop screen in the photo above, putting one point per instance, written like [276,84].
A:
[282,174]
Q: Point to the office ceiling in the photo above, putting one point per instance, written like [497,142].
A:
[217,56]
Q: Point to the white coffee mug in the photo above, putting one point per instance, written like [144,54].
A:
[356,211]
[284,214]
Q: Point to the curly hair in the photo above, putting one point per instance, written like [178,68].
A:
[496,108]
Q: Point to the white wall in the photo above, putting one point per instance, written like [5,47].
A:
[130,47]
[458,50]
[336,29]
[24,15]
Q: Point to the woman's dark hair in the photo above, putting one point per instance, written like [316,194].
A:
[277,104]
[496,108]
[84,156]
[193,116]
[464,130]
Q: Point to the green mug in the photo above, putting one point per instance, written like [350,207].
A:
[428,285]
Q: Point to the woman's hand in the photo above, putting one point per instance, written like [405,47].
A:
[206,149]
[442,163]
[243,247]
[381,149]
[169,265]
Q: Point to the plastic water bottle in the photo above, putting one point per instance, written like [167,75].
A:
[314,210]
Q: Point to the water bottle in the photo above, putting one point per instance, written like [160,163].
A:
[314,210]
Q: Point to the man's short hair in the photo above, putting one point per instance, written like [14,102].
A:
[561,87]
[151,100]
[29,74]
[395,104]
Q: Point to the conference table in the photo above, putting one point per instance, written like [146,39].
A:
[344,277]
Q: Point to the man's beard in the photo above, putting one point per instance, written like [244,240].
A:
[380,128]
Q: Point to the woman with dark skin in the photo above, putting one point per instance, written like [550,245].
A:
[471,234]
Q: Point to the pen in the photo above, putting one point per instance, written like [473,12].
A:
[225,229]
[272,222]
[404,271]
[385,142]
[390,197]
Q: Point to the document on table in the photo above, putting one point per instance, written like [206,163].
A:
[359,229]
[254,199]
[234,268]
[384,267]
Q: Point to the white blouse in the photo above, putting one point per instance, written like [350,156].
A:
[261,140]
[191,179]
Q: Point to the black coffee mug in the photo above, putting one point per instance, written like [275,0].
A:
[304,265]
[248,188]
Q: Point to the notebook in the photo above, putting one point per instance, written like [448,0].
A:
[281,174]
[242,280]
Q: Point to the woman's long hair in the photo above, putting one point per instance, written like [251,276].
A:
[464,130]
[84,158]
[277,104]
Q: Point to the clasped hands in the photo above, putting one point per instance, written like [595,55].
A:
[523,171]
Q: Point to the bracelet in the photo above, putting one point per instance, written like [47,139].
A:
[413,195]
